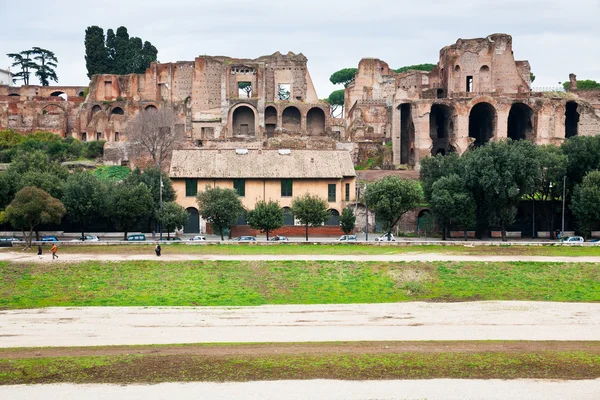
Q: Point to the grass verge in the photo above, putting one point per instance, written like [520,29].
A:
[251,283]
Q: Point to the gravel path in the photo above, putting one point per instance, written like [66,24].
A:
[489,320]
[436,389]
[70,257]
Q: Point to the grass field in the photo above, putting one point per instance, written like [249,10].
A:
[246,283]
[338,249]
[151,368]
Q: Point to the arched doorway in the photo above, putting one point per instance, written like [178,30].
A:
[482,123]
[291,119]
[96,109]
[571,120]
[315,121]
[193,222]
[243,121]
[520,122]
[117,111]
[270,121]
[457,79]
[150,108]
[407,135]
[441,128]
[423,219]
[288,217]
[60,94]
[334,218]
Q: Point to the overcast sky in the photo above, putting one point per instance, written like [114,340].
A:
[557,37]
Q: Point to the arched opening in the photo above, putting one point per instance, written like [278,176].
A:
[270,121]
[288,216]
[571,120]
[421,219]
[242,219]
[482,123]
[14,95]
[407,135]
[334,218]
[193,222]
[58,93]
[150,108]
[484,79]
[117,111]
[457,80]
[96,109]
[291,119]
[243,121]
[520,122]
[81,94]
[440,128]
[315,121]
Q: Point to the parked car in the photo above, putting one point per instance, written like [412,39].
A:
[49,238]
[9,239]
[385,238]
[279,239]
[573,239]
[197,239]
[88,238]
[246,239]
[595,241]
[172,239]
[347,238]
[140,237]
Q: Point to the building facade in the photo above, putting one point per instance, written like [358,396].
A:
[6,77]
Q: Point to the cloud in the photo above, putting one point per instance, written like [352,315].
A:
[556,37]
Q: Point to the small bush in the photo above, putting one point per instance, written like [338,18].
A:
[95,149]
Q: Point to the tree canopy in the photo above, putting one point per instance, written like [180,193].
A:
[130,205]
[266,217]
[343,76]
[42,61]
[452,203]
[347,221]
[219,206]
[172,216]
[310,211]
[418,67]
[583,84]
[25,64]
[84,198]
[586,203]
[336,101]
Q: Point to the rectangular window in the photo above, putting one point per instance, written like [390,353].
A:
[191,187]
[286,188]
[284,91]
[347,192]
[239,185]
[116,136]
[469,84]
[98,135]
[84,136]
[331,192]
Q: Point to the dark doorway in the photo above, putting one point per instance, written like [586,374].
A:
[270,121]
[334,218]
[482,123]
[243,121]
[571,120]
[407,135]
[288,217]
[315,121]
[440,128]
[193,223]
[291,119]
[520,122]
[469,83]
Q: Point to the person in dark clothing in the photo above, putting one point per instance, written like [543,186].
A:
[40,251]
[157,250]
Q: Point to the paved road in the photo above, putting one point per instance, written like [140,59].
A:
[21,257]
[436,389]
[490,320]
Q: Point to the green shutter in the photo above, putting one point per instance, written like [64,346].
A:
[286,188]
[331,192]
[347,192]
[191,187]
[240,186]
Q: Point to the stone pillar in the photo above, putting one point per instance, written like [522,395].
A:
[572,82]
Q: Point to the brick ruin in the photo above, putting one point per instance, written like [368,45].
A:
[476,93]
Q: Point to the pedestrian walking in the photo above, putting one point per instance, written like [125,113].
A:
[53,250]
[157,250]
[40,251]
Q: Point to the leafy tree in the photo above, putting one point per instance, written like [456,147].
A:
[149,55]
[310,210]
[24,62]
[343,76]
[531,77]
[96,54]
[452,204]
[498,175]
[418,67]
[45,68]
[392,197]
[583,84]
[586,203]
[172,216]
[434,168]
[583,156]
[34,168]
[347,221]
[221,207]
[336,101]
[32,207]
[246,87]
[84,198]
[266,217]
[151,178]
[129,205]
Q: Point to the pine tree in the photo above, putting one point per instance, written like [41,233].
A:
[96,55]
[45,66]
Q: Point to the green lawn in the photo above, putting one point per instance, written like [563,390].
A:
[244,283]
[153,368]
[341,249]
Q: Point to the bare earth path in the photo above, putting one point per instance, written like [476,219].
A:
[70,257]
[435,389]
[489,320]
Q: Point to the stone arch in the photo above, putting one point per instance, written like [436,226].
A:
[315,121]
[420,217]
[150,107]
[288,216]
[243,121]
[441,128]
[291,119]
[60,94]
[117,111]
[81,94]
[334,217]
[193,222]
[571,119]
[54,107]
[14,95]
[482,123]
[520,122]
[484,79]
[270,120]
[96,109]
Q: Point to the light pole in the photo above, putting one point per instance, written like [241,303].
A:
[160,202]
[562,233]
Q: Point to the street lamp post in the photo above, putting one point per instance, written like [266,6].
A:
[160,200]
[562,233]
